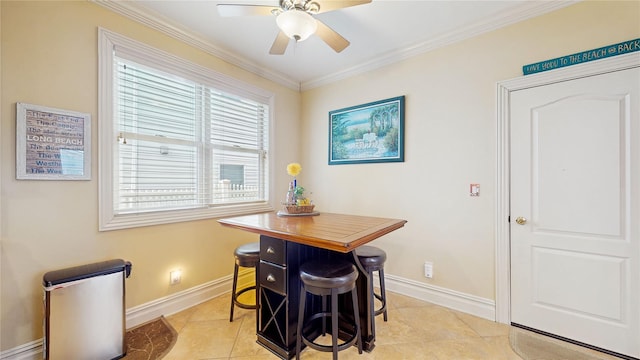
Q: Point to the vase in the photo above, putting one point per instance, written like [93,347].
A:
[291,194]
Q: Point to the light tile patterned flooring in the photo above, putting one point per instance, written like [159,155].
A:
[415,330]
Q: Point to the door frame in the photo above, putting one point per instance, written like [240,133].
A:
[503,171]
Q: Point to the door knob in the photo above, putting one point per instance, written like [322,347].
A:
[520,220]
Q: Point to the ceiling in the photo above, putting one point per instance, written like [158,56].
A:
[381,32]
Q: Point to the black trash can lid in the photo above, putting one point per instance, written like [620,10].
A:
[75,273]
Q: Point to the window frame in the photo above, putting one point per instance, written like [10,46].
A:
[107,133]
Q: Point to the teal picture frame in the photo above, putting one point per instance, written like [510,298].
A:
[367,133]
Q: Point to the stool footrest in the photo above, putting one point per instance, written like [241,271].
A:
[326,348]
[382,308]
[243,305]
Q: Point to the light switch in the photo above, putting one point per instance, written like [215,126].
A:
[474,189]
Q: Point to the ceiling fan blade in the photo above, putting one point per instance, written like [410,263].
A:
[280,44]
[226,10]
[332,38]
[329,5]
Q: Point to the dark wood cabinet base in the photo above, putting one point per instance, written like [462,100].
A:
[280,295]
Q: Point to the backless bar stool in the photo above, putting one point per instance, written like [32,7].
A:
[372,259]
[326,278]
[247,255]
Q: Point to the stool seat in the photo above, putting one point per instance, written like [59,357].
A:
[328,275]
[371,257]
[247,255]
[328,279]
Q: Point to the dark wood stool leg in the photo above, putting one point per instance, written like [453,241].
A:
[233,290]
[258,294]
[334,323]
[356,314]
[303,296]
[324,319]
[372,302]
[383,294]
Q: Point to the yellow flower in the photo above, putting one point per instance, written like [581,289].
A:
[294,169]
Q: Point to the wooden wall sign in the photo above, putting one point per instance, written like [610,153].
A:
[52,144]
[585,56]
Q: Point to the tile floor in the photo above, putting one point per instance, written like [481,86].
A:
[415,330]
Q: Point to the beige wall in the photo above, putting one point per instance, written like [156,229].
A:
[49,58]
[450,141]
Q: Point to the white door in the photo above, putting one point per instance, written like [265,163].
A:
[575,210]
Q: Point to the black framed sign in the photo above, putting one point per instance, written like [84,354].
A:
[368,133]
[52,144]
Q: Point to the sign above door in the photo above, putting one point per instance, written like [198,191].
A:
[585,56]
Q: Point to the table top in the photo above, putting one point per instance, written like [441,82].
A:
[336,232]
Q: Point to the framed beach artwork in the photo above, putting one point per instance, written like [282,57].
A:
[368,133]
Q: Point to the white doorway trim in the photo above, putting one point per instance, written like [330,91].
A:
[504,88]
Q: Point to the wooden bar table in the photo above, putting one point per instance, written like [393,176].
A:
[286,242]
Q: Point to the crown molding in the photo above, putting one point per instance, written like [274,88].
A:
[159,23]
[527,10]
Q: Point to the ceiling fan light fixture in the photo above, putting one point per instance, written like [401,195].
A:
[296,24]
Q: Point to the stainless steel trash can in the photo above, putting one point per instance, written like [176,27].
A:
[85,311]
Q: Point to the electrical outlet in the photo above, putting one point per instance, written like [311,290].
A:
[428,269]
[175,277]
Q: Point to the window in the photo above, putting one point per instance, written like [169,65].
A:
[177,141]
[234,174]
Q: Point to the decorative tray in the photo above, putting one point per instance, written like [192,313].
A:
[284,213]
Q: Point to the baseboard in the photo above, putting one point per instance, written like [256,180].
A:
[179,301]
[470,304]
[182,300]
[28,351]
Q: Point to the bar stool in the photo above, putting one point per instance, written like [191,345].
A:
[372,259]
[328,278]
[247,255]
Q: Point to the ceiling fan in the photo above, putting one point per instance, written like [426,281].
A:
[296,21]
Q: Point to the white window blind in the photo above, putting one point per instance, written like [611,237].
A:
[175,136]
[179,143]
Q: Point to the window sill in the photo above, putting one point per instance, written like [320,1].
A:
[126,221]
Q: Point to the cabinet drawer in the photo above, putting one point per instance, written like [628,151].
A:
[272,250]
[273,277]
